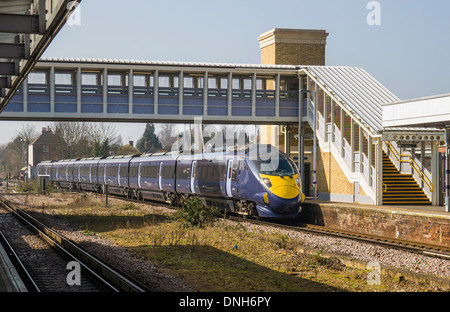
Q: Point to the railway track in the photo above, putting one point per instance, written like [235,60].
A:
[408,246]
[437,251]
[46,269]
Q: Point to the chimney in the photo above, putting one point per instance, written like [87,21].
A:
[130,143]
[282,46]
[46,129]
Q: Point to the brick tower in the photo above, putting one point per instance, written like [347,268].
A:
[282,46]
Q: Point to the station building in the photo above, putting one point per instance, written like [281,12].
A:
[358,159]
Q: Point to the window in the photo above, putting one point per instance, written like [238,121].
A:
[89,79]
[139,81]
[167,171]
[115,80]
[45,148]
[164,81]
[37,78]
[63,78]
[184,171]
[149,171]
[111,171]
[123,170]
[84,170]
[188,82]
[134,171]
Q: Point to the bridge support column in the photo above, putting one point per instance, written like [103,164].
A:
[287,140]
[435,172]
[447,171]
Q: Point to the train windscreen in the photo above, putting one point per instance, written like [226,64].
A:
[275,166]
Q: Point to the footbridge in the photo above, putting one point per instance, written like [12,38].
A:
[340,108]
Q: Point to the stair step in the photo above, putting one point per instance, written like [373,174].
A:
[407,203]
[404,197]
[401,189]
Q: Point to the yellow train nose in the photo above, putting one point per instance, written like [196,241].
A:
[286,192]
[283,187]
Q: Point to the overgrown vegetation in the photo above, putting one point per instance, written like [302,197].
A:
[218,256]
[194,213]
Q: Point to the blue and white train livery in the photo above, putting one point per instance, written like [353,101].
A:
[243,181]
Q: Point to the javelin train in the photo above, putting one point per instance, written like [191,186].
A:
[236,180]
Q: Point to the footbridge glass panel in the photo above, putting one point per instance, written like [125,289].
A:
[176,92]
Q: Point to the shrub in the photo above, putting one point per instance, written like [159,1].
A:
[194,213]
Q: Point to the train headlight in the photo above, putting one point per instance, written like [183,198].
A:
[299,183]
[267,182]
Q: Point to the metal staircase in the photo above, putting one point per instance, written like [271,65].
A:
[400,189]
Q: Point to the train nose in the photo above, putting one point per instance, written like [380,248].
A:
[285,200]
[286,191]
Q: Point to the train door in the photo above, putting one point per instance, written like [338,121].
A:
[159,175]
[229,175]
[192,184]
[235,172]
[139,176]
[118,174]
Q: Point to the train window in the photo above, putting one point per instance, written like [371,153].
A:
[123,170]
[111,171]
[235,169]
[149,171]
[134,171]
[184,171]
[84,170]
[167,171]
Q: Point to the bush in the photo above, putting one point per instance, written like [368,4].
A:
[194,213]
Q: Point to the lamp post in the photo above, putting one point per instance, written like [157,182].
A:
[314,142]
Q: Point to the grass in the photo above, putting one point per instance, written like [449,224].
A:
[221,256]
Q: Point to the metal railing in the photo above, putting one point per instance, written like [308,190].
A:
[412,163]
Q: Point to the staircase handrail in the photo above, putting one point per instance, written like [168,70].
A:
[412,163]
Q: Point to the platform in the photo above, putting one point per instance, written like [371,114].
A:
[10,280]
[427,224]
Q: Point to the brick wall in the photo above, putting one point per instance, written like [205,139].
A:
[300,54]
[403,224]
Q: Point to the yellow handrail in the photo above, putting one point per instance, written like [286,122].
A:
[411,162]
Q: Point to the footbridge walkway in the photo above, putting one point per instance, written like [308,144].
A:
[342,106]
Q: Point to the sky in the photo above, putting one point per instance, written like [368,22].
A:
[406,51]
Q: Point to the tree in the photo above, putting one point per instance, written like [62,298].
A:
[104,148]
[149,141]
[84,139]
[167,135]
[127,150]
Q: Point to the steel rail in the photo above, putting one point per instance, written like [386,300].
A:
[27,279]
[401,244]
[432,250]
[111,277]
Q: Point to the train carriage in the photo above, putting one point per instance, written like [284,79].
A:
[258,180]
[113,172]
[85,172]
[153,177]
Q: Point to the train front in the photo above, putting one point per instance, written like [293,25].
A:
[281,193]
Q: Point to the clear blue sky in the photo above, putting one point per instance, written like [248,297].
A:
[408,52]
